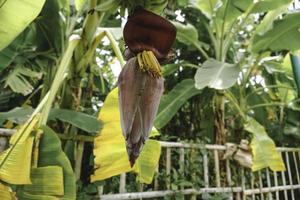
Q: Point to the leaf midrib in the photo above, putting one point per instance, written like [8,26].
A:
[218,74]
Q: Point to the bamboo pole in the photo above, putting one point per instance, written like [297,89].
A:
[206,172]
[122,186]
[276,184]
[243,183]
[156,185]
[157,194]
[217,168]
[269,183]
[252,185]
[168,167]
[289,174]
[79,155]
[7,132]
[228,177]
[296,167]
[284,184]
[214,146]
[181,163]
[260,186]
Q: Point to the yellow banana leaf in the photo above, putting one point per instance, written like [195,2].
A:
[16,166]
[263,148]
[5,193]
[25,130]
[147,162]
[54,178]
[15,162]
[109,147]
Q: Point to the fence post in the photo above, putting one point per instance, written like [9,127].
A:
[276,184]
[122,187]
[269,183]
[284,182]
[206,172]
[181,163]
[252,185]
[168,168]
[262,197]
[289,174]
[217,168]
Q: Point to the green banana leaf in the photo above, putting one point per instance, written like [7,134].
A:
[260,5]
[15,16]
[188,35]
[216,74]
[27,196]
[79,4]
[171,102]
[81,120]
[24,41]
[111,157]
[51,154]
[46,181]
[207,7]
[279,37]
[45,33]
[107,5]
[267,23]
[18,79]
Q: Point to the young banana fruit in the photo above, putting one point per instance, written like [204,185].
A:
[149,37]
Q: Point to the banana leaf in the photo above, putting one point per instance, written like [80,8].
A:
[170,103]
[81,120]
[45,181]
[51,154]
[5,193]
[109,147]
[27,196]
[15,162]
[148,161]
[263,148]
[15,16]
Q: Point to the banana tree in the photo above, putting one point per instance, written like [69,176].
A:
[242,43]
[66,66]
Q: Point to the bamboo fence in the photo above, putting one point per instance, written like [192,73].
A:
[218,176]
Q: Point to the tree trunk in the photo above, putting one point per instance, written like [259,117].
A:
[219,118]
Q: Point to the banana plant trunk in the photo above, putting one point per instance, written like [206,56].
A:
[219,118]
